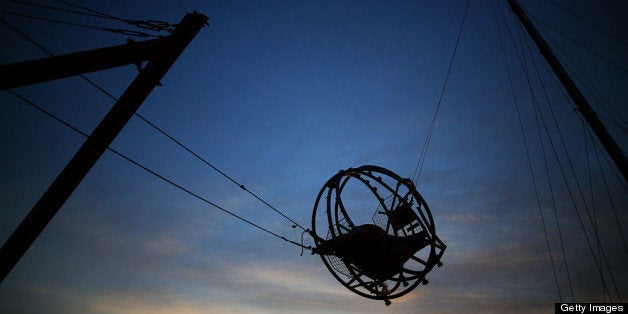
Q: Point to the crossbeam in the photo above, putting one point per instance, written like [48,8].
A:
[52,68]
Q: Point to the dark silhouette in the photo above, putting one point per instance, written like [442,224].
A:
[385,259]
[377,254]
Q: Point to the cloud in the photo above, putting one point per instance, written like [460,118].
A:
[468,218]
[166,245]
[130,303]
[289,277]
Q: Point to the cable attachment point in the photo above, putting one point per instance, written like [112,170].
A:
[303,246]
[153,25]
[127,32]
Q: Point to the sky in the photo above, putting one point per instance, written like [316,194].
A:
[281,95]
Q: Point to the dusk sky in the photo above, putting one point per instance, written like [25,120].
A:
[280,95]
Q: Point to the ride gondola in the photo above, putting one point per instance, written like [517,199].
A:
[375,232]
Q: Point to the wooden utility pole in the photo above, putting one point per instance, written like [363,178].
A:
[159,61]
[581,102]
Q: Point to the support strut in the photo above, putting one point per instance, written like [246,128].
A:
[581,102]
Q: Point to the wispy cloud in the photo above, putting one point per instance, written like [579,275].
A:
[289,277]
[130,303]
[468,218]
[167,245]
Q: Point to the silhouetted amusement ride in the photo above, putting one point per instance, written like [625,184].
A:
[372,229]
[375,232]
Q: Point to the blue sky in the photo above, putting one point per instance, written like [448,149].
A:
[281,95]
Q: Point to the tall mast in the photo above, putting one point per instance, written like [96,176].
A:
[71,176]
[581,102]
